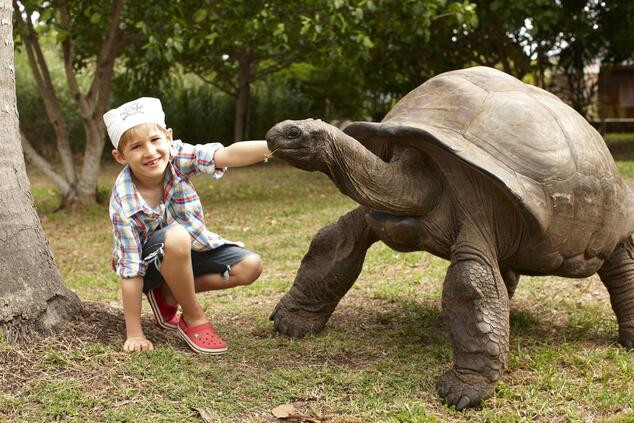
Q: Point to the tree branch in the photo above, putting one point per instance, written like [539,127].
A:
[271,69]
[106,60]
[230,91]
[67,49]
[42,165]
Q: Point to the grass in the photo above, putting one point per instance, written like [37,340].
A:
[377,360]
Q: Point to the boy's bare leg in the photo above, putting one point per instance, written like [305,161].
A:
[167,295]
[179,276]
[245,272]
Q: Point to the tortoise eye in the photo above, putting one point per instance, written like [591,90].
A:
[293,132]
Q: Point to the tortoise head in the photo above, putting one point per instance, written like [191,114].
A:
[302,143]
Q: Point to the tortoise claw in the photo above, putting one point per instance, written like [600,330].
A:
[295,322]
[464,389]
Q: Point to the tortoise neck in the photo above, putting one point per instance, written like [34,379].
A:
[405,185]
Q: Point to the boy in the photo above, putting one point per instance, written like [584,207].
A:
[161,245]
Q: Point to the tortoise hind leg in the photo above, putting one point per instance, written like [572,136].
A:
[476,307]
[328,270]
[511,280]
[617,274]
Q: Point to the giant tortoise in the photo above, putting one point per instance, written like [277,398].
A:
[474,166]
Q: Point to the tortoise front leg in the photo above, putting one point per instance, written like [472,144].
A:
[328,270]
[476,308]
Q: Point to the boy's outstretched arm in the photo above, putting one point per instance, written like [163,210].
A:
[131,291]
[242,153]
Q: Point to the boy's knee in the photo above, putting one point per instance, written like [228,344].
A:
[177,241]
[249,269]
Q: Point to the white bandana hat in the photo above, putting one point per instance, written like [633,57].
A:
[128,115]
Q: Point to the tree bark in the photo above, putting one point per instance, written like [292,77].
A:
[243,92]
[32,295]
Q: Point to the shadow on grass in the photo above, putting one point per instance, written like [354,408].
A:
[401,325]
[414,324]
[407,324]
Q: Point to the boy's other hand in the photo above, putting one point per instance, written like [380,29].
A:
[137,344]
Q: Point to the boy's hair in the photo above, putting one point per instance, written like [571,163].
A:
[127,135]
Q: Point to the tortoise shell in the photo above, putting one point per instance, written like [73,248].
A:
[555,165]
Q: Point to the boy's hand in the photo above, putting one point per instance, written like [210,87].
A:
[137,344]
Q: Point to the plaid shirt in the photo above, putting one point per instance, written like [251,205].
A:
[134,222]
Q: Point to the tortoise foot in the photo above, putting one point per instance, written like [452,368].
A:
[292,320]
[464,388]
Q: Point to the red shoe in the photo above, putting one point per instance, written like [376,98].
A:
[164,314]
[202,338]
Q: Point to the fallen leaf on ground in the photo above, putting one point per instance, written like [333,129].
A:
[290,414]
[205,415]
[283,411]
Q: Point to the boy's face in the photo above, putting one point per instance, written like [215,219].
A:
[146,150]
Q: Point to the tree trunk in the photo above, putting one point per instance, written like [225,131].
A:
[242,98]
[76,191]
[95,141]
[32,295]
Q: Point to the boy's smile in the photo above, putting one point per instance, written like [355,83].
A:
[146,151]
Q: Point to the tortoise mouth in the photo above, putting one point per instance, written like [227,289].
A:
[289,148]
[301,157]
[292,153]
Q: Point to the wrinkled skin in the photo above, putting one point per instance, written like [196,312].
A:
[422,198]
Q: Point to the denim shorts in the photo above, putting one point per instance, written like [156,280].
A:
[218,260]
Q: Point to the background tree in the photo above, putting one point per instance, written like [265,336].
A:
[383,48]
[579,45]
[232,43]
[90,35]
[615,19]
[555,42]
[501,37]
[408,47]
[32,294]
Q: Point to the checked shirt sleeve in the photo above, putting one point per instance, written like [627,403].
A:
[127,252]
[192,159]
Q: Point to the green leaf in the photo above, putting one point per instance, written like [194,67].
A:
[367,42]
[46,15]
[279,29]
[61,35]
[200,15]
[211,37]
[95,18]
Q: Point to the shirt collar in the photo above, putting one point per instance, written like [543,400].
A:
[132,201]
